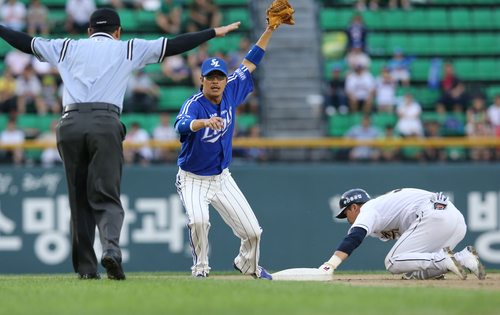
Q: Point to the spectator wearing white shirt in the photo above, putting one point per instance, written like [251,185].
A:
[29,92]
[165,132]
[17,61]
[78,14]
[143,154]
[38,19]
[494,114]
[50,156]
[385,92]
[360,89]
[357,57]
[12,136]
[409,123]
[13,14]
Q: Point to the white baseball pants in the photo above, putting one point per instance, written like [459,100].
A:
[197,193]
[419,249]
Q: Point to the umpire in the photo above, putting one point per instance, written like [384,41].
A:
[95,72]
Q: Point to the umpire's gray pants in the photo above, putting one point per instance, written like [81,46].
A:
[90,144]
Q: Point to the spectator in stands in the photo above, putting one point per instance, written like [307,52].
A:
[38,17]
[13,14]
[478,125]
[176,69]
[405,4]
[432,154]
[17,61]
[360,89]
[12,136]
[50,156]
[78,14]
[337,96]
[363,132]
[361,5]
[385,93]
[494,114]
[475,114]
[144,93]
[256,154]
[356,32]
[409,123]
[169,16]
[203,14]
[453,96]
[235,57]
[29,93]
[50,92]
[142,155]
[7,92]
[357,57]
[390,154]
[250,105]
[195,60]
[399,67]
[165,132]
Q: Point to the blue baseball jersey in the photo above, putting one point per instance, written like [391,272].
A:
[97,69]
[207,151]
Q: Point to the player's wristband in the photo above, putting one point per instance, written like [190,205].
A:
[255,55]
[334,261]
[184,126]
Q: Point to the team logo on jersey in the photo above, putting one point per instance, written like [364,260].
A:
[211,136]
[215,63]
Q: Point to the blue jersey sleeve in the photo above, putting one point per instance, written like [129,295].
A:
[189,111]
[240,84]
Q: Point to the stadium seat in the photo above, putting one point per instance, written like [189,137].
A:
[482,19]
[393,19]
[377,43]
[328,19]
[437,19]
[225,44]
[492,91]
[487,69]
[420,44]
[231,2]
[496,18]
[486,43]
[460,19]
[442,44]
[172,98]
[465,68]
[245,121]
[147,21]
[129,20]
[376,66]
[464,44]
[372,19]
[417,19]
[382,120]
[234,15]
[420,69]
[397,40]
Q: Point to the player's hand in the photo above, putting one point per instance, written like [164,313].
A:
[223,30]
[440,201]
[327,267]
[215,123]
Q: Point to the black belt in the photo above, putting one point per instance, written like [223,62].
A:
[88,107]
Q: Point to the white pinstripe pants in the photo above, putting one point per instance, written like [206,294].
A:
[197,193]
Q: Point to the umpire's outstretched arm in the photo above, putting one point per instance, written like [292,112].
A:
[18,40]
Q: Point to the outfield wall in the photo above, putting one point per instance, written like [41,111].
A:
[294,203]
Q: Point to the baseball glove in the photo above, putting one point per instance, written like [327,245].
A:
[279,12]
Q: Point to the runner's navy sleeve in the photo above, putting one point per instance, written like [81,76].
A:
[352,241]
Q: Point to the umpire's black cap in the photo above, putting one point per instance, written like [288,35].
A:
[105,16]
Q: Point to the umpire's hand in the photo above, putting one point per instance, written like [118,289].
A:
[223,30]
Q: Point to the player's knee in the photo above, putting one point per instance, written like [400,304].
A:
[199,225]
[255,235]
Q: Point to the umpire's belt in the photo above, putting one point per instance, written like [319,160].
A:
[88,107]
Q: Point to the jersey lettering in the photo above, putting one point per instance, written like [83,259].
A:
[211,136]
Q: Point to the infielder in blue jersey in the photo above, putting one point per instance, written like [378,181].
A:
[95,72]
[206,124]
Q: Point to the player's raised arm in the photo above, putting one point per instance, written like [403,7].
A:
[18,40]
[279,12]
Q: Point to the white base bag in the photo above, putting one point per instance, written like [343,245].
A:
[302,274]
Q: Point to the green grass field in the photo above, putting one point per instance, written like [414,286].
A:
[147,293]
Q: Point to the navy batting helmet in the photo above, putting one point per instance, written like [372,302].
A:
[356,195]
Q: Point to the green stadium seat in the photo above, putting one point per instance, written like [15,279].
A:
[383,119]
[245,121]
[427,97]
[460,19]
[487,43]
[373,19]
[377,43]
[4,118]
[226,44]
[376,66]
[147,21]
[464,44]
[172,98]
[420,44]
[234,15]
[394,20]
[442,44]
[482,19]
[340,124]
[465,68]
[496,18]
[492,91]
[488,69]
[397,40]
[231,2]
[437,19]
[420,69]
[328,19]
[417,19]
[129,20]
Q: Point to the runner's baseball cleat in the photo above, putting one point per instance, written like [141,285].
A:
[262,273]
[469,259]
[453,265]
[199,274]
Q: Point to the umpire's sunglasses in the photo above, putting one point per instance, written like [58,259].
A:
[219,77]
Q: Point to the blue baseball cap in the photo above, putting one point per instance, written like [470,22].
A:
[212,64]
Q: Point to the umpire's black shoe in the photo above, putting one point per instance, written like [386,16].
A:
[90,276]
[113,264]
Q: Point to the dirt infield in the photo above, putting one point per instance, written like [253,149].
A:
[492,281]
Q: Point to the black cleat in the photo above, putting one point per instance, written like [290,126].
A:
[113,264]
[90,276]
